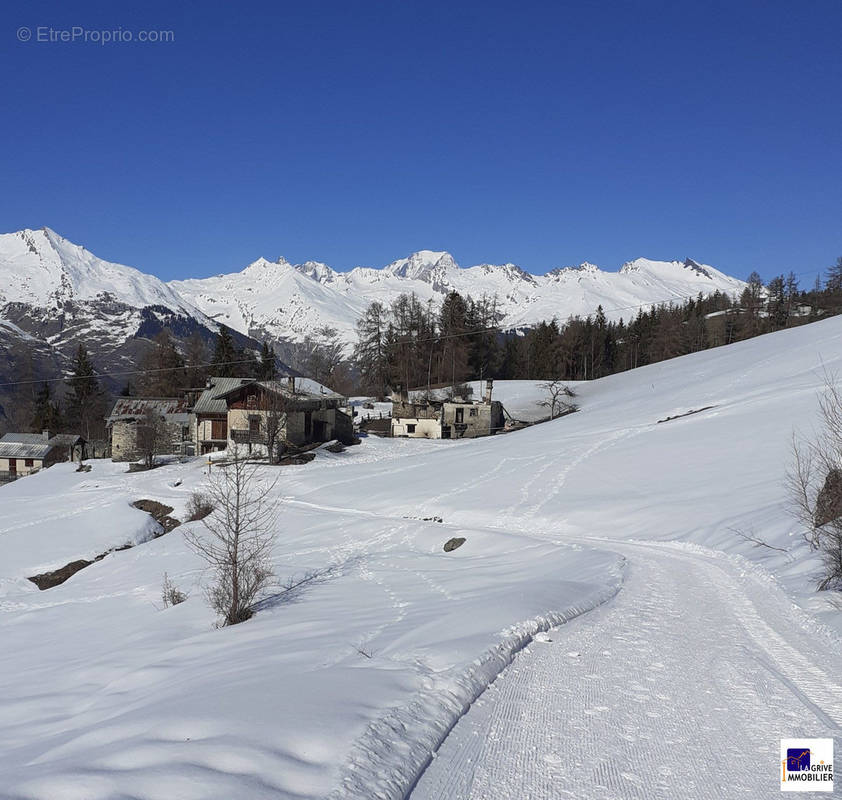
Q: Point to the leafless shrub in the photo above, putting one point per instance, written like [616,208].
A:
[152,436]
[814,484]
[756,541]
[199,506]
[238,539]
[555,391]
[170,593]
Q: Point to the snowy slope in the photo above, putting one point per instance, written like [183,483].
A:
[103,695]
[287,301]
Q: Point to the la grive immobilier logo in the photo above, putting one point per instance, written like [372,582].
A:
[806,765]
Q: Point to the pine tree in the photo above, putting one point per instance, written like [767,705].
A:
[224,354]
[47,414]
[85,400]
[371,351]
[195,358]
[163,369]
[267,371]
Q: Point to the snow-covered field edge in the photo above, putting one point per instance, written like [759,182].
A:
[389,758]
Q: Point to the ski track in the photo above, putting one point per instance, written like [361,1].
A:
[680,687]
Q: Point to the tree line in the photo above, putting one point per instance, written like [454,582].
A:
[415,344]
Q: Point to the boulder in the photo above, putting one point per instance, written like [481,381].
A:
[452,544]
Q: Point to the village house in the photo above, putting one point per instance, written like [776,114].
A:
[209,414]
[128,415]
[426,417]
[26,453]
[294,411]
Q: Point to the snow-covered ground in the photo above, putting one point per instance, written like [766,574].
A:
[104,694]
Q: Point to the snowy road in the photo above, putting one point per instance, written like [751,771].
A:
[681,687]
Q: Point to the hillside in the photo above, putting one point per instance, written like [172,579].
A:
[345,687]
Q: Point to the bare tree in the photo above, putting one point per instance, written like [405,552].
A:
[152,436]
[238,537]
[273,404]
[555,392]
[814,484]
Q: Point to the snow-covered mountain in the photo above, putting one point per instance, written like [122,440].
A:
[286,301]
[55,294]
[43,270]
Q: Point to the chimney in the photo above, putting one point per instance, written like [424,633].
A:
[291,383]
[489,385]
[208,384]
[45,435]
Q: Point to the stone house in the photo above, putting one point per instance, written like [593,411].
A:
[128,412]
[300,412]
[443,418]
[26,453]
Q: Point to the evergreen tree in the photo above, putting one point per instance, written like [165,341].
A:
[224,354]
[47,414]
[195,359]
[267,370]
[163,367]
[85,401]
[371,352]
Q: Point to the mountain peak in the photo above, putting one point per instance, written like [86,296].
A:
[423,265]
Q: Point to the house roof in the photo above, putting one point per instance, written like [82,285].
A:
[39,450]
[66,440]
[34,445]
[305,389]
[24,438]
[209,401]
[174,409]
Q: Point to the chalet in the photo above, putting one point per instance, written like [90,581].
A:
[293,411]
[26,453]
[447,418]
[209,414]
[129,412]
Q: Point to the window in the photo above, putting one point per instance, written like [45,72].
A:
[251,401]
[29,462]
[410,428]
[473,412]
[460,414]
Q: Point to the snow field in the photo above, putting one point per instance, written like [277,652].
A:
[104,695]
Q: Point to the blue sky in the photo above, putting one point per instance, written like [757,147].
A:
[355,133]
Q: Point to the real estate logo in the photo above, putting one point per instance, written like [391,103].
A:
[806,765]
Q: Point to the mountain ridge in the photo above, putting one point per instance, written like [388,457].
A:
[42,274]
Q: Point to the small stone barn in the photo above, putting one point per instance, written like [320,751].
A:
[298,415]
[26,453]
[122,425]
[454,418]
